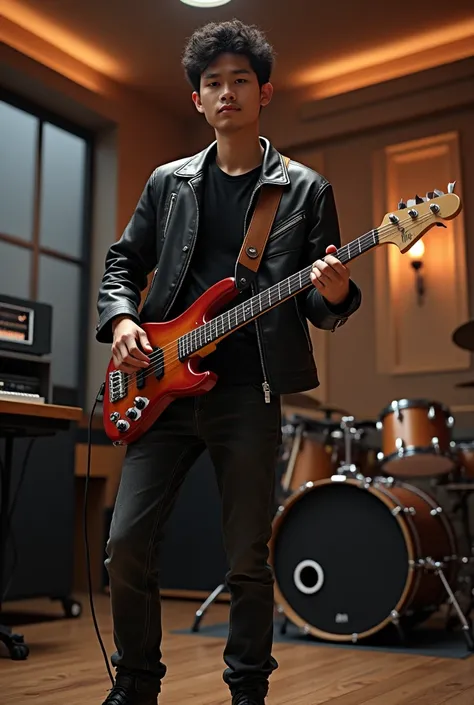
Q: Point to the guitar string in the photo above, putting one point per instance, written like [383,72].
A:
[174,361]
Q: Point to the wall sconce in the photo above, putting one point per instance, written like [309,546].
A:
[416,254]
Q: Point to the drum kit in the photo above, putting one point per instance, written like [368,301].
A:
[357,546]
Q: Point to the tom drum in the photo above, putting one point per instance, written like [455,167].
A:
[416,438]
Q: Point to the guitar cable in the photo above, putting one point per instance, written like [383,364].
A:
[99,398]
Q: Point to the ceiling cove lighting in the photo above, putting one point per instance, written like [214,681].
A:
[205,3]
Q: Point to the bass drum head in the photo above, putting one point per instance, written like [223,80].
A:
[340,559]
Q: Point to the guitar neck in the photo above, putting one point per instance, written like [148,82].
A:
[242,314]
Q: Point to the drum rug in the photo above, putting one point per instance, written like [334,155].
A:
[421,641]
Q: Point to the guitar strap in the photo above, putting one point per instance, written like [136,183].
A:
[256,238]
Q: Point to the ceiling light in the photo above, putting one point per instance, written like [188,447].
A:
[205,3]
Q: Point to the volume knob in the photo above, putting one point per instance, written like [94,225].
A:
[122,425]
[141,402]
[132,413]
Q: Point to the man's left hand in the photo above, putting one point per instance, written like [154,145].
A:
[331,277]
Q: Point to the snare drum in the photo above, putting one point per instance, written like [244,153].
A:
[416,438]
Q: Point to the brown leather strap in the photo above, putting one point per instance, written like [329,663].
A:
[259,229]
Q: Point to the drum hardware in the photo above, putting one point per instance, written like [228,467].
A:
[437,567]
[295,449]
[347,430]
[464,490]
[349,433]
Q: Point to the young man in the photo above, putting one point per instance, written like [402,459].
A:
[189,226]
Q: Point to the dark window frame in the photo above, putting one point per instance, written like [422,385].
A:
[61,395]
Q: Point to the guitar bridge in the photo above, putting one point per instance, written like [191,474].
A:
[118,385]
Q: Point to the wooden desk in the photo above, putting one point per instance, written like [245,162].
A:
[23,419]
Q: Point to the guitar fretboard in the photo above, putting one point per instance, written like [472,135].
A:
[247,311]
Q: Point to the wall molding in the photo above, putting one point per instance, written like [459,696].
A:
[409,338]
[397,101]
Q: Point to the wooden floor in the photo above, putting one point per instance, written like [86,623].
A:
[66,667]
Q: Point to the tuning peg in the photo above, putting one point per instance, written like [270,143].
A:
[451,187]
[418,199]
[401,204]
[434,194]
[411,202]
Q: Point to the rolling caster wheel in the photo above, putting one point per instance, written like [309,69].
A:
[19,652]
[15,644]
[72,608]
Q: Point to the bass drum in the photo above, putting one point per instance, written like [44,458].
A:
[346,557]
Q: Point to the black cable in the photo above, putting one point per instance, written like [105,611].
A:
[99,397]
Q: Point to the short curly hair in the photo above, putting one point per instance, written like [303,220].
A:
[233,37]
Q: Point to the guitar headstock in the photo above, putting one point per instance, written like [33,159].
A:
[414,218]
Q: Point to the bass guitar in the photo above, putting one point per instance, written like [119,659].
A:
[134,401]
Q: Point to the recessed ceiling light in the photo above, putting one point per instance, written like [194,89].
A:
[205,3]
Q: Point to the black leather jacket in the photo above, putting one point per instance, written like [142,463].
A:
[161,236]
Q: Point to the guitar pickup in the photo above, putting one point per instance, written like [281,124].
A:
[158,363]
[141,379]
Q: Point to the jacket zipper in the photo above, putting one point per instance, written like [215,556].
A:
[287,225]
[308,339]
[185,269]
[170,212]
[265,384]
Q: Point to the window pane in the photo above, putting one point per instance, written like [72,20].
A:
[15,267]
[62,191]
[18,144]
[59,284]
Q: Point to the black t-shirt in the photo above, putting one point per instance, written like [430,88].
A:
[224,205]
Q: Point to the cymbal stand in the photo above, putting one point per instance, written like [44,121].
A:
[437,567]
[295,449]
[207,603]
[462,505]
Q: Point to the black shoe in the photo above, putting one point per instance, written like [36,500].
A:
[248,698]
[130,690]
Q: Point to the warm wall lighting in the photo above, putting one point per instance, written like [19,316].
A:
[79,48]
[391,59]
[417,251]
[416,255]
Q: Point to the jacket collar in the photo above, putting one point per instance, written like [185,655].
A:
[274,170]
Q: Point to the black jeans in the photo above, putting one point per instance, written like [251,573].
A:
[242,434]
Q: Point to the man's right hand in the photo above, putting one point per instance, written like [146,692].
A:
[126,354]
